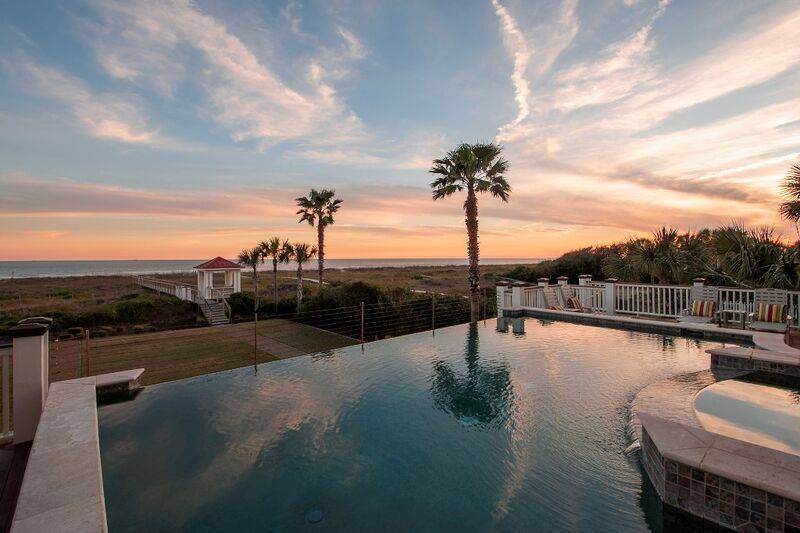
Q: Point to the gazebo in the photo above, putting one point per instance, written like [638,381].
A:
[205,278]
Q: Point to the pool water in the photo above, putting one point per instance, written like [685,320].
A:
[752,411]
[470,429]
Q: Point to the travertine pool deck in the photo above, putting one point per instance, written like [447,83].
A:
[62,489]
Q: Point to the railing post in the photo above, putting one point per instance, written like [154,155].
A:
[516,295]
[698,282]
[562,280]
[543,282]
[500,287]
[31,375]
[584,279]
[610,296]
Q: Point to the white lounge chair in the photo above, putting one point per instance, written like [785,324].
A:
[550,295]
[770,312]
[569,299]
[704,306]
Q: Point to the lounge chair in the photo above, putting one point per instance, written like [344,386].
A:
[569,300]
[550,294]
[770,312]
[704,306]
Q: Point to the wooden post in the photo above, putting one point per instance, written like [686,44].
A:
[362,322]
[87,352]
[433,313]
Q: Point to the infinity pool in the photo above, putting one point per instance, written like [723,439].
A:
[470,429]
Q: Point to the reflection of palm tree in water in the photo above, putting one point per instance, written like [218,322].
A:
[480,397]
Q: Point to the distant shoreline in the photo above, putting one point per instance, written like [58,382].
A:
[131,267]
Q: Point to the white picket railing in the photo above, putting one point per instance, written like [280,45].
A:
[592,297]
[652,300]
[665,301]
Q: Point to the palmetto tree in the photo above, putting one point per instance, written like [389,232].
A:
[790,209]
[318,209]
[251,259]
[276,250]
[476,168]
[302,253]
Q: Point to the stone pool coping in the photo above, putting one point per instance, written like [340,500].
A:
[62,489]
[728,481]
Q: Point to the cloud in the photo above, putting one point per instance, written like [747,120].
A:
[102,115]
[141,41]
[518,49]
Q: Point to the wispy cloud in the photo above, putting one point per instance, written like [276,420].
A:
[102,115]
[518,49]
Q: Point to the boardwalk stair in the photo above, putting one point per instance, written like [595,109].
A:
[214,311]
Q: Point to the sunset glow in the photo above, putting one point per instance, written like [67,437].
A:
[185,130]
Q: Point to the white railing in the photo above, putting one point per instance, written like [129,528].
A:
[664,301]
[652,300]
[219,292]
[6,434]
[507,299]
[592,297]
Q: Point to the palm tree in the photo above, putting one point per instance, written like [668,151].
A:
[318,208]
[790,209]
[275,249]
[482,395]
[477,168]
[252,258]
[302,252]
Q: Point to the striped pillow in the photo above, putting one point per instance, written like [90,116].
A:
[574,303]
[704,308]
[769,313]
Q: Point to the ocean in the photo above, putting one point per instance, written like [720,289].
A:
[38,269]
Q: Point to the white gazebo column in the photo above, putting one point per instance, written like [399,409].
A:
[237,281]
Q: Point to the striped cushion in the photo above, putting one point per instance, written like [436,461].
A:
[705,308]
[574,303]
[769,313]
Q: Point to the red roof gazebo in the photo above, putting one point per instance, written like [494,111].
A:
[205,278]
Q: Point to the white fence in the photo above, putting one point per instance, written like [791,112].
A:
[665,301]
[652,300]
[173,288]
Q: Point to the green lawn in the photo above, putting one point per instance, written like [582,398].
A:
[171,355]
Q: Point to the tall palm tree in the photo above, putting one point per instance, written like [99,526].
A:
[318,209]
[302,253]
[477,168]
[252,258]
[275,249]
[790,209]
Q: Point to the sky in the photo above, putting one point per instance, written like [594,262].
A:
[136,129]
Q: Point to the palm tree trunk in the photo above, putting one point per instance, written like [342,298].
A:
[275,280]
[299,285]
[321,251]
[471,208]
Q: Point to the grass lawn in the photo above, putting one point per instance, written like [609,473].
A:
[171,355]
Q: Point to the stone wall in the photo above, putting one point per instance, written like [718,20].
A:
[715,498]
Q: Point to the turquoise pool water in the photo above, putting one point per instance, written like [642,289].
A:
[470,429]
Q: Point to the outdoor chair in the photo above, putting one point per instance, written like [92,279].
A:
[569,299]
[704,306]
[770,312]
[550,294]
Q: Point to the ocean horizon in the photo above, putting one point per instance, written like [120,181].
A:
[112,267]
